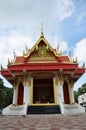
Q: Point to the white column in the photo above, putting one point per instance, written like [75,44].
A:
[14,95]
[61,89]
[28,95]
[24,95]
[72,95]
[60,97]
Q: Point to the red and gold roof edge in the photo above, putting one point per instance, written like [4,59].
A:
[18,69]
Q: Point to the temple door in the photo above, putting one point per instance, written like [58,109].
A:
[66,93]
[20,94]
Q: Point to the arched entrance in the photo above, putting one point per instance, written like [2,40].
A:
[20,94]
[66,93]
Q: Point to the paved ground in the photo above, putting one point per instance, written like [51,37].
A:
[43,122]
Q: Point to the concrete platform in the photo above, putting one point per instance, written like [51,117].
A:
[43,122]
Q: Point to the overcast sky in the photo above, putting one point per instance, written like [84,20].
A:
[64,21]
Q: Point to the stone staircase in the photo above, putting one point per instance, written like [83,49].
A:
[44,109]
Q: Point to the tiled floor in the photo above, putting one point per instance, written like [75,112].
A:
[43,122]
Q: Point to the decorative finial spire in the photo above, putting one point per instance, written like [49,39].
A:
[83,66]
[69,53]
[26,47]
[14,55]
[8,61]
[42,35]
[76,60]
[57,48]
[0,67]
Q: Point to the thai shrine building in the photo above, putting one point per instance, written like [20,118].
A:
[43,81]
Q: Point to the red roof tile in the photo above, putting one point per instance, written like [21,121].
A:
[19,59]
[65,59]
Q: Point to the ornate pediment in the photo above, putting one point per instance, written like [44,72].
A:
[41,51]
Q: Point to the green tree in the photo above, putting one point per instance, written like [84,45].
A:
[6,95]
[84,87]
[76,96]
[80,91]
[1,83]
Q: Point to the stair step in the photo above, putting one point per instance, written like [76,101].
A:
[44,109]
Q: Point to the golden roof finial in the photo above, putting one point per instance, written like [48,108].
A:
[76,60]
[69,52]
[14,53]
[14,56]
[23,52]
[42,35]
[83,66]
[0,67]
[9,62]
[26,48]
[57,48]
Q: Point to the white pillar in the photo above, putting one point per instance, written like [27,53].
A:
[60,97]
[58,93]
[28,95]
[24,95]
[72,95]
[61,89]
[14,95]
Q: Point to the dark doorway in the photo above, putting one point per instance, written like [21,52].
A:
[66,93]
[20,94]
[43,90]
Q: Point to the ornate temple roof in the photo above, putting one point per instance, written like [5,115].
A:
[42,57]
[41,51]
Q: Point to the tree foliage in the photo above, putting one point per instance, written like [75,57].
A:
[6,95]
[80,91]
[1,83]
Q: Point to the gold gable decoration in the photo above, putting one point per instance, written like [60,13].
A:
[42,49]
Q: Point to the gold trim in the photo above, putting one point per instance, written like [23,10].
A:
[24,79]
[35,47]
[43,104]
[72,83]
[54,87]
[14,85]
[29,83]
[42,74]
[31,91]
